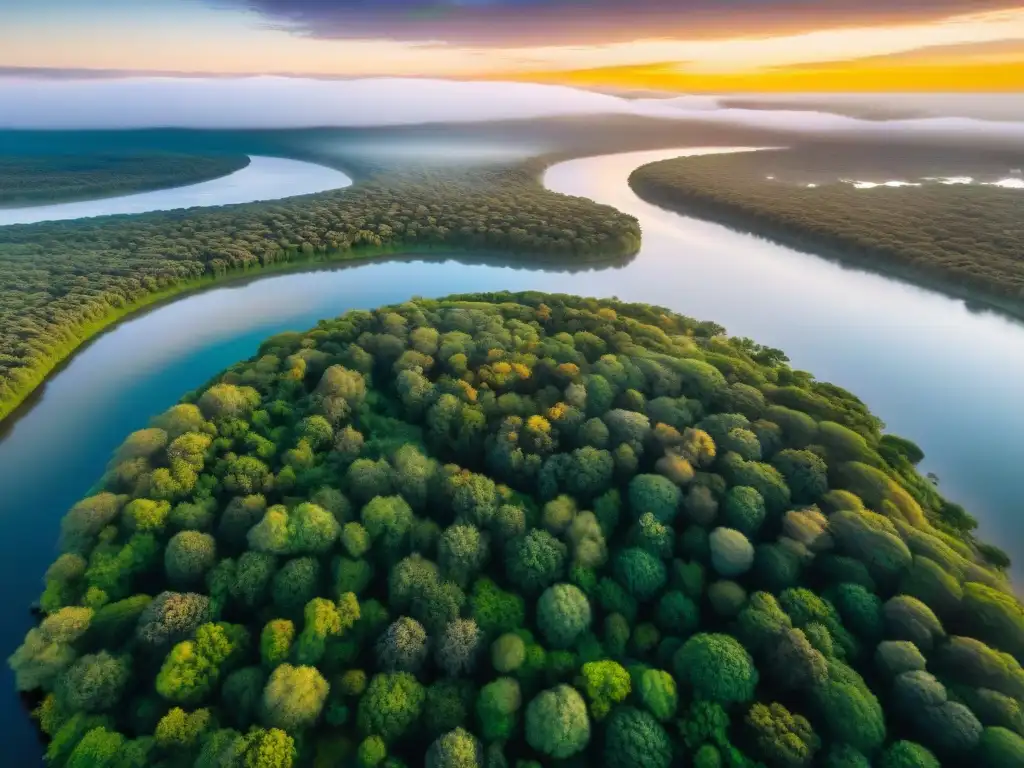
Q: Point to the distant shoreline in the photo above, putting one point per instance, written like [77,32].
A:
[806,241]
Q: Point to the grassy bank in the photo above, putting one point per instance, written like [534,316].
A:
[81,335]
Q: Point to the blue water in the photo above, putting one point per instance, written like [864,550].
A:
[944,376]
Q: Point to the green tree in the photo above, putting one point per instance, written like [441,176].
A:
[456,749]
[717,668]
[391,706]
[557,724]
[634,739]
[403,646]
[294,697]
[563,612]
[535,561]
[783,738]
[605,684]
[658,694]
[497,707]
[641,573]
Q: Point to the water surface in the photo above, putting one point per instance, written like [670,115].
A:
[264,178]
[936,372]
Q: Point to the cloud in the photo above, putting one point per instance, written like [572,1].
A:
[565,22]
[275,102]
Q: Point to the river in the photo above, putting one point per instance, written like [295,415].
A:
[942,375]
[264,178]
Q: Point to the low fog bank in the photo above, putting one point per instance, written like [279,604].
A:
[279,102]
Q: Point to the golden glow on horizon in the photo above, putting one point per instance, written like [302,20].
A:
[890,57]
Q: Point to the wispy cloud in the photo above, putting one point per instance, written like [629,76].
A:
[563,22]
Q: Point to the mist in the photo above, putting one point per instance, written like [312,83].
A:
[283,102]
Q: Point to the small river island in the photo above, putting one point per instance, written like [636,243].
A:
[523,527]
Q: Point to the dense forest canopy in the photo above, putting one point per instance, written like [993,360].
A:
[966,238]
[62,281]
[56,178]
[522,530]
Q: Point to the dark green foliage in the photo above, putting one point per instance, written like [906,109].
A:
[640,573]
[494,609]
[782,738]
[860,609]
[654,494]
[497,707]
[447,705]
[403,646]
[28,179]
[535,560]
[893,657]
[634,739]
[849,709]
[716,667]
[995,617]
[727,598]
[563,612]
[700,626]
[907,618]
[908,754]
[391,705]
[1001,748]
[295,584]
[806,474]
[677,614]
[94,683]
[743,510]
[658,693]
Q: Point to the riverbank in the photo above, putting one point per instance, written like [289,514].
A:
[11,408]
[820,243]
[42,180]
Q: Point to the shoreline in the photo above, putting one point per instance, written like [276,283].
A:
[25,397]
[127,192]
[742,221]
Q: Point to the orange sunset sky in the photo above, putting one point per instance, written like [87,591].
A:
[678,45]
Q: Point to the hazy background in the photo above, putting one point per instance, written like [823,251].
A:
[280,102]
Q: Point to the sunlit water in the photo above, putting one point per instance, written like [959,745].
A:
[936,372]
[264,178]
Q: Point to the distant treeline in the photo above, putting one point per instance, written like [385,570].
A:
[38,179]
[61,282]
[964,238]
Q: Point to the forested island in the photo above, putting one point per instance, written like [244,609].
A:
[964,240]
[62,282]
[60,178]
[522,530]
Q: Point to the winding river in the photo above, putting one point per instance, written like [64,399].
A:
[942,375]
[264,178]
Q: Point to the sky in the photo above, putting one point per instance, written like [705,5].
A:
[678,45]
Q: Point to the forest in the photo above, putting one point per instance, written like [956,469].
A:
[61,282]
[522,530]
[58,178]
[965,239]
